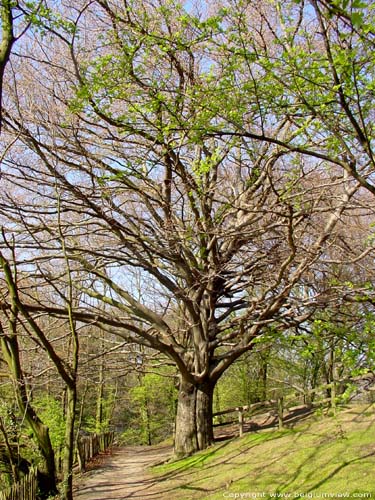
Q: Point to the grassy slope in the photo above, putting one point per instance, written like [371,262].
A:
[322,457]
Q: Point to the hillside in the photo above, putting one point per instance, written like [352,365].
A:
[324,456]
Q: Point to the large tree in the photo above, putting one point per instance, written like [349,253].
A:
[139,142]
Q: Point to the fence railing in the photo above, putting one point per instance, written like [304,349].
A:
[90,446]
[25,489]
[283,404]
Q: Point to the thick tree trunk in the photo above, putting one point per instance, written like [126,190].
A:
[194,429]
[204,404]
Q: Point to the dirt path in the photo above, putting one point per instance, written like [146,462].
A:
[124,475]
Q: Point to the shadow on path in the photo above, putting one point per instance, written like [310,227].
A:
[123,475]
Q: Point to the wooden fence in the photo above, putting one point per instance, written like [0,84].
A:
[25,489]
[90,446]
[280,405]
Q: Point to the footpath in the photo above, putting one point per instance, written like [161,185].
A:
[123,474]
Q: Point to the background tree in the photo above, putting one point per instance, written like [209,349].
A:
[20,319]
[7,41]
[317,59]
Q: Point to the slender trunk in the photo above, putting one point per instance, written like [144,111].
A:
[68,459]
[81,410]
[148,422]
[194,429]
[314,381]
[6,42]
[8,447]
[329,374]
[145,414]
[112,406]
[263,373]
[100,399]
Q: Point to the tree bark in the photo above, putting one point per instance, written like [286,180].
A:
[67,488]
[194,429]
[6,42]
[100,398]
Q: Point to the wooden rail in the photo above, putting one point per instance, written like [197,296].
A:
[90,446]
[25,489]
[263,405]
[279,405]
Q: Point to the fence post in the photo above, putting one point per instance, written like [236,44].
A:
[81,455]
[90,446]
[25,489]
[280,412]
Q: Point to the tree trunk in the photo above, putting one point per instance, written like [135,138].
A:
[194,429]
[9,451]
[67,487]
[263,377]
[100,399]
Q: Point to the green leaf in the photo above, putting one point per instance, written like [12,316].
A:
[357,19]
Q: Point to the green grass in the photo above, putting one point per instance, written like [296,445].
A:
[322,457]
